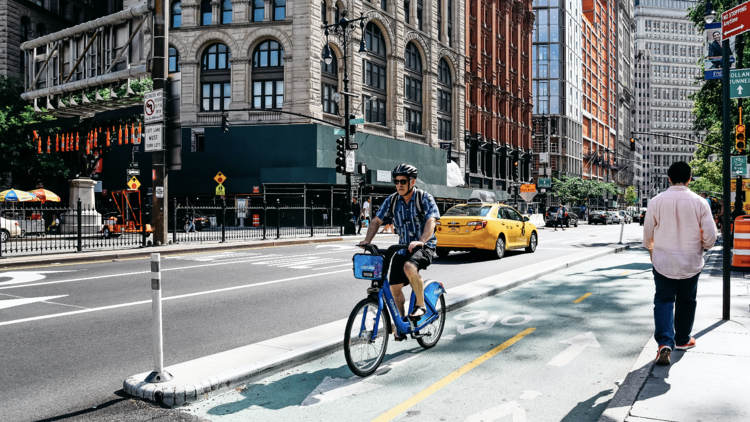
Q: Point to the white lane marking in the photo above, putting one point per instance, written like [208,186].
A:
[525,319]
[577,344]
[498,412]
[331,389]
[141,302]
[339,247]
[19,277]
[530,395]
[348,264]
[478,325]
[9,303]
[466,316]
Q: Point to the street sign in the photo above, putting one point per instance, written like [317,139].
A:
[339,132]
[133,172]
[739,83]
[359,121]
[739,165]
[528,188]
[153,106]
[220,178]
[133,183]
[350,161]
[544,157]
[160,191]
[528,196]
[220,190]
[256,189]
[735,21]
[544,182]
[352,145]
[154,138]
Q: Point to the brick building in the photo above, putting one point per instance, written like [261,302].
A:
[498,92]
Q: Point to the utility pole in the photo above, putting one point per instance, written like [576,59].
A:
[159,74]
[726,173]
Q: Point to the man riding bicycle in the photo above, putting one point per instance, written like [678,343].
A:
[414,213]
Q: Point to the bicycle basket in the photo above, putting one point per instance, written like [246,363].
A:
[368,267]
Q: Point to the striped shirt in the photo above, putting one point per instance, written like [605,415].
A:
[408,220]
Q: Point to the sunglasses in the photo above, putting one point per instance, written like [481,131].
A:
[401,181]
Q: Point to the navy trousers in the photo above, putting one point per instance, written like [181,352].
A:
[674,309]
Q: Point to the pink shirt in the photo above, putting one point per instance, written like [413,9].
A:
[677,228]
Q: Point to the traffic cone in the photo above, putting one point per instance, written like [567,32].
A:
[78,140]
[126,134]
[39,145]
[48,144]
[57,142]
[107,137]
[119,136]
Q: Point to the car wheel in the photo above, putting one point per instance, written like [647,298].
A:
[4,236]
[105,233]
[532,243]
[499,248]
[23,234]
[442,252]
[567,224]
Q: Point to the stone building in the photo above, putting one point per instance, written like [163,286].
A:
[628,162]
[499,93]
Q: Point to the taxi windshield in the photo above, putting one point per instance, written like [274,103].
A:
[469,211]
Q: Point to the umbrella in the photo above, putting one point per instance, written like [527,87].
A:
[44,195]
[13,195]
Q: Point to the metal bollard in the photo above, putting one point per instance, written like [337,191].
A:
[622,229]
[159,374]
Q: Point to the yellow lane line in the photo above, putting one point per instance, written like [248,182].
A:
[582,298]
[427,392]
[626,272]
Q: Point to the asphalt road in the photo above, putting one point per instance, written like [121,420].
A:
[72,333]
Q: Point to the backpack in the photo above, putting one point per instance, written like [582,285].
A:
[418,196]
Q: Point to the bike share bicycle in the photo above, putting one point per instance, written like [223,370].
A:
[369,325]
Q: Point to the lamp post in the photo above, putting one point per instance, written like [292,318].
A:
[343,30]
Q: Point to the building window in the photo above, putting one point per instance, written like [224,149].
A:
[406,11]
[330,83]
[374,75]
[259,8]
[444,101]
[268,75]
[215,78]
[440,20]
[174,60]
[323,13]
[176,14]
[24,37]
[384,4]
[413,89]
[279,10]
[226,11]
[336,14]
[450,22]
[420,7]
[206,12]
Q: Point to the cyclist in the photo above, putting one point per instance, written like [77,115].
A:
[414,213]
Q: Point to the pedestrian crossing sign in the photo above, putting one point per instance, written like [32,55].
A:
[220,190]
[133,183]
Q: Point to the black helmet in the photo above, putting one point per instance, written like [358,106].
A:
[407,170]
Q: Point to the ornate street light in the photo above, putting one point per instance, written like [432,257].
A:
[710,14]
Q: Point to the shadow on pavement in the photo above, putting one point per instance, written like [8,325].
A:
[589,409]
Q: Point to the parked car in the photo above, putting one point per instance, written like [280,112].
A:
[9,228]
[600,217]
[642,217]
[569,218]
[624,215]
[637,214]
[201,221]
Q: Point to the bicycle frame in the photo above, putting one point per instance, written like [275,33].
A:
[385,295]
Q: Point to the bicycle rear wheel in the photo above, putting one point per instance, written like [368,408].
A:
[431,333]
[363,353]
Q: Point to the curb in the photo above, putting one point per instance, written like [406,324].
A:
[146,252]
[174,396]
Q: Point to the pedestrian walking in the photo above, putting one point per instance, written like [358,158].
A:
[191,221]
[365,214]
[559,218]
[356,214]
[678,228]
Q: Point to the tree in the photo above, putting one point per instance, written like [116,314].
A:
[577,190]
[631,196]
[709,177]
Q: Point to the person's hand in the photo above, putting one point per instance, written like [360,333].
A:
[363,243]
[415,244]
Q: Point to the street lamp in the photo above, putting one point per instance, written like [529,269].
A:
[710,14]
[343,30]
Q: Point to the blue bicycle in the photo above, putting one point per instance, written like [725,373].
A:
[369,325]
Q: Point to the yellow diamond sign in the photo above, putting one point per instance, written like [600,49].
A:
[133,183]
[220,178]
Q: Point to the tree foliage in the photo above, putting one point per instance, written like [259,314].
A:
[631,196]
[576,190]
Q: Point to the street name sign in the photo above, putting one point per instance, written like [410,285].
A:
[154,138]
[735,21]
[352,145]
[739,165]
[133,183]
[544,182]
[220,178]
[339,132]
[739,83]
[359,121]
[153,106]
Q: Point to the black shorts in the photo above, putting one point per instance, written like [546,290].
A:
[422,258]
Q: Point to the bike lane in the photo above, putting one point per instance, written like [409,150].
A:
[550,350]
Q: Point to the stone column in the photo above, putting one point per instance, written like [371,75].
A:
[191,13]
[91,221]
[240,10]
[215,12]
[269,10]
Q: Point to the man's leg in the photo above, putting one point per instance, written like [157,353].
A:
[398,297]
[664,299]
[684,312]
[415,281]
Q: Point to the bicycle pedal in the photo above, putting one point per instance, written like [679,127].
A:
[416,335]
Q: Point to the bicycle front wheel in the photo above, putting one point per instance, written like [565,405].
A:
[431,333]
[364,352]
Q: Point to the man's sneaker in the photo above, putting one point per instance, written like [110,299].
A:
[688,345]
[662,356]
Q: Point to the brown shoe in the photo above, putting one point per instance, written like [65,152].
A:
[662,356]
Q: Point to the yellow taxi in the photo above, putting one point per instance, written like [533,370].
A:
[495,228]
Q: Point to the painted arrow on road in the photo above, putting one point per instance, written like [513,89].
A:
[20,277]
[497,413]
[478,325]
[577,344]
[9,303]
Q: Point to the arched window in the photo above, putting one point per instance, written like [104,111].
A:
[259,8]
[226,11]
[324,13]
[176,14]
[207,14]
[216,87]
[268,75]
[330,82]
[174,60]
[336,14]
[445,116]
[374,75]
[413,89]
[279,10]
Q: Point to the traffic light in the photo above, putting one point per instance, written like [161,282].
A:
[224,123]
[352,128]
[632,144]
[514,170]
[739,138]
[341,155]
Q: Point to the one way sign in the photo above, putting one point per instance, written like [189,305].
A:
[739,83]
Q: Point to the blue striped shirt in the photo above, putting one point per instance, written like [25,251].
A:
[407,219]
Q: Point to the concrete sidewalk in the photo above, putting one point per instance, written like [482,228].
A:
[707,383]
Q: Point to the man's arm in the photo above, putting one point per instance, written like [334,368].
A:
[372,230]
[648,229]
[708,227]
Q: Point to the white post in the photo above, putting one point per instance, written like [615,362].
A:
[159,374]
[622,229]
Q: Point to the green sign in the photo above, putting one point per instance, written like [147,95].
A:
[739,165]
[544,182]
[220,190]
[359,121]
[339,132]
[739,83]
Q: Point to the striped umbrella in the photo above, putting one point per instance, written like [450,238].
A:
[13,195]
[45,196]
